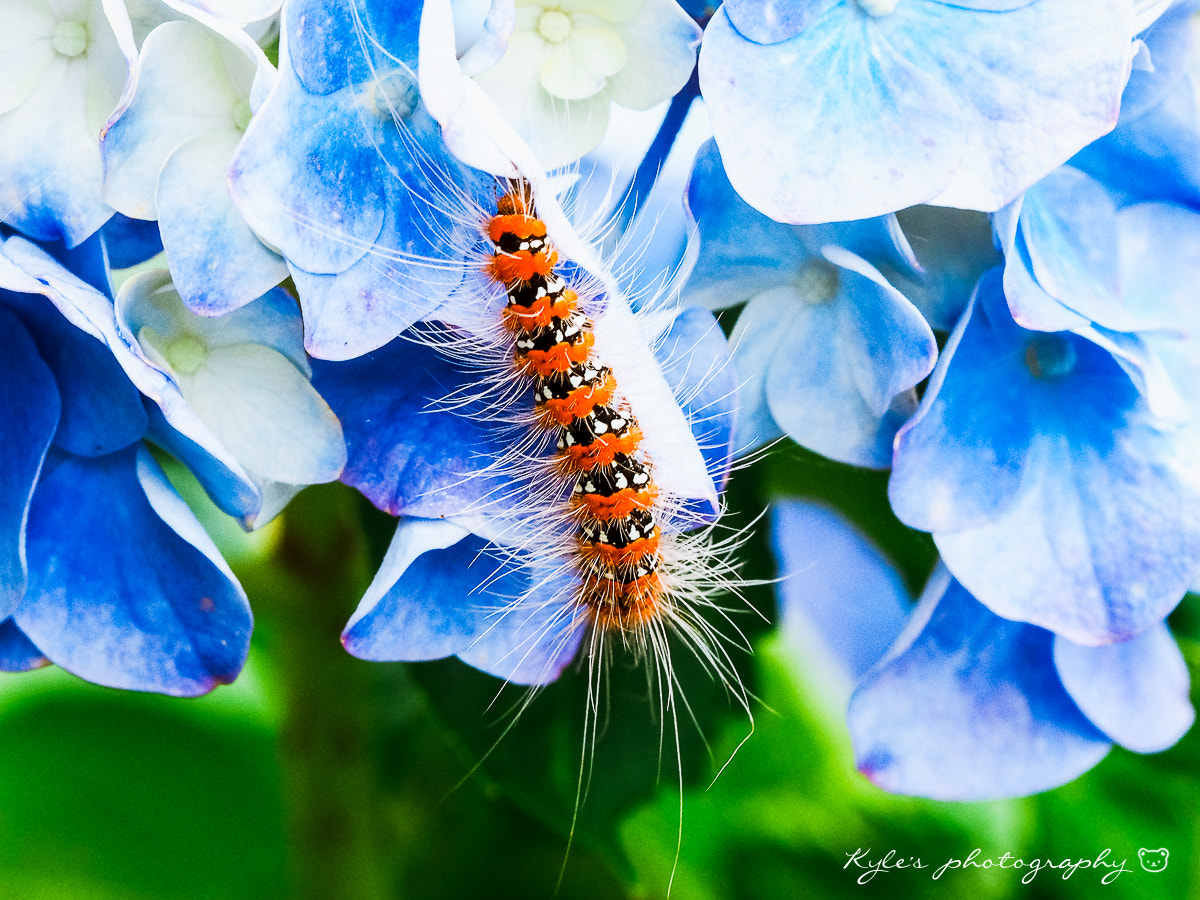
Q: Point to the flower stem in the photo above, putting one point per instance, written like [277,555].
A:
[328,735]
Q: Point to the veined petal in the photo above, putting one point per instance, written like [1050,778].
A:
[661,43]
[26,49]
[265,411]
[930,103]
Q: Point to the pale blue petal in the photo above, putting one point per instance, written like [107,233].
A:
[217,263]
[931,103]
[442,591]
[742,252]
[968,706]
[837,381]
[772,21]
[1136,692]
[936,482]
[1106,512]
[1156,156]
[325,40]
[696,364]
[187,84]
[1170,43]
[839,599]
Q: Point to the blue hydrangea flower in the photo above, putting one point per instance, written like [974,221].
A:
[62,69]
[344,170]
[1054,492]
[830,110]
[235,392]
[103,569]
[965,705]
[827,350]
[166,152]
[554,70]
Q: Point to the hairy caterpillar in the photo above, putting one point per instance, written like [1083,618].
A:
[597,439]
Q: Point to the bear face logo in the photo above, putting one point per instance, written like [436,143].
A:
[1153,860]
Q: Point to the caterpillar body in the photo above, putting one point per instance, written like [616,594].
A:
[597,439]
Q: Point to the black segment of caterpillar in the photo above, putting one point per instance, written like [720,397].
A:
[617,540]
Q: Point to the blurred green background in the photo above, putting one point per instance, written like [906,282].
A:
[318,775]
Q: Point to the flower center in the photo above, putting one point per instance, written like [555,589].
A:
[554,26]
[185,354]
[817,281]
[877,7]
[395,95]
[70,38]
[241,114]
[1050,356]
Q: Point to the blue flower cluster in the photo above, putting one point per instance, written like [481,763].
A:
[961,237]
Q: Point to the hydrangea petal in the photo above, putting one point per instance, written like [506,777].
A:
[915,114]
[695,362]
[303,177]
[268,414]
[243,11]
[1136,692]
[101,410]
[735,237]
[660,50]
[426,602]
[1170,43]
[26,50]
[325,40]
[117,594]
[51,169]
[1155,156]
[935,483]
[1103,513]
[29,407]
[968,706]
[356,311]
[755,340]
[187,82]
[17,652]
[1068,222]
[839,599]
[837,379]
[218,264]
[772,21]
[406,456]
